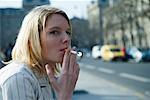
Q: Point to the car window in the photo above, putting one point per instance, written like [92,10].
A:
[115,49]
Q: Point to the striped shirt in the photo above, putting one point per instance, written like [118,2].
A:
[18,82]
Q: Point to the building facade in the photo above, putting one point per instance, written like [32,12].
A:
[124,22]
[11,18]
[95,17]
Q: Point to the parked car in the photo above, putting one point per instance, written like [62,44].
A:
[112,52]
[86,52]
[134,53]
[146,55]
[96,51]
[79,55]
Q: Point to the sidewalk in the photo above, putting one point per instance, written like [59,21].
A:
[91,87]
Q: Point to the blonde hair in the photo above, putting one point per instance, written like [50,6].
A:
[27,48]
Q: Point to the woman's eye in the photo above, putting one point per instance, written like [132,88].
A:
[58,32]
[69,33]
[54,32]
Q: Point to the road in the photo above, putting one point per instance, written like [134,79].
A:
[128,74]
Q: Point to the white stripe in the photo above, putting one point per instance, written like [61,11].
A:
[87,66]
[105,70]
[90,67]
[134,77]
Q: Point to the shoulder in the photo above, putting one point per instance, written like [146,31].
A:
[15,71]
[17,80]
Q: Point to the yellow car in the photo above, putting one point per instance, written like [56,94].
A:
[112,52]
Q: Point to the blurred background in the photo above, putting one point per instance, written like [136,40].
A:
[113,41]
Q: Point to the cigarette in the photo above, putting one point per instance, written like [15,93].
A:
[74,52]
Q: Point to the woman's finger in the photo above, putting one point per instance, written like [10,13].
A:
[65,64]
[52,78]
[76,70]
[72,62]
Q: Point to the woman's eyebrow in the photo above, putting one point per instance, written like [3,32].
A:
[58,28]
[52,28]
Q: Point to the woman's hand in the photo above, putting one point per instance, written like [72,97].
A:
[65,84]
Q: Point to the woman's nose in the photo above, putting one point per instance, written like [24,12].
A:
[66,38]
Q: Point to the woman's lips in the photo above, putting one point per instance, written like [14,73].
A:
[63,51]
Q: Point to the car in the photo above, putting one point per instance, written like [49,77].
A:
[135,53]
[79,55]
[112,53]
[96,51]
[146,55]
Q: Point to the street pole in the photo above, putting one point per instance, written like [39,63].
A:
[101,21]
[0,29]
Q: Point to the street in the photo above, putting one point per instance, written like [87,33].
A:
[134,76]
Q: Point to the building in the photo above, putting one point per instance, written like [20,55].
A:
[126,23]
[122,22]
[95,16]
[11,18]
[80,29]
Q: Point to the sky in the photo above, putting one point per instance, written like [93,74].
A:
[71,7]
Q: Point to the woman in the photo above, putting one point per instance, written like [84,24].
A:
[43,65]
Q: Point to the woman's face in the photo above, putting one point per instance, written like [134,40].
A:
[55,39]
